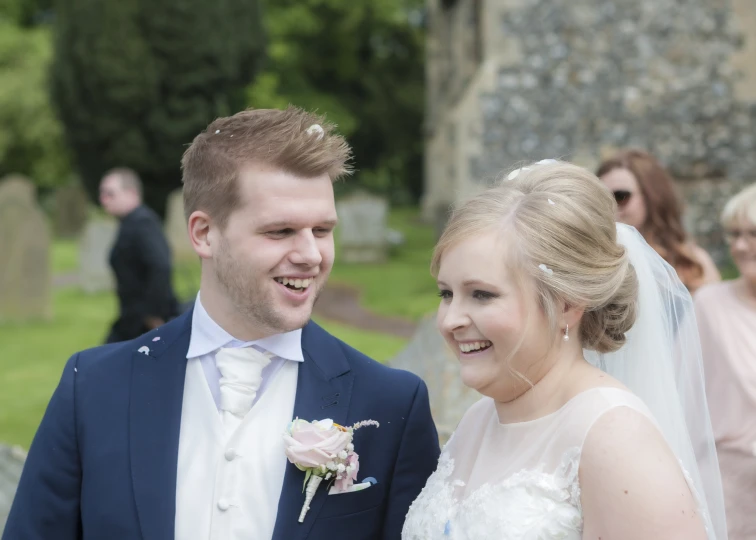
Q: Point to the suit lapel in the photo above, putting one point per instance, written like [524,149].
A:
[157,389]
[324,390]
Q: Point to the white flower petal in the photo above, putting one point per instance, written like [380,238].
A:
[326,424]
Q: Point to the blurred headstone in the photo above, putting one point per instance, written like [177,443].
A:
[394,238]
[428,356]
[175,228]
[70,211]
[11,463]
[362,228]
[25,277]
[95,274]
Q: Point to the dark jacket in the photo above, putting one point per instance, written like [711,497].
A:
[103,463]
[141,261]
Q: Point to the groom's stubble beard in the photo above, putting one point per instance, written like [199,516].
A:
[253,297]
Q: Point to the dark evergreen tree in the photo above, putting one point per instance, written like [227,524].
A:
[362,63]
[135,80]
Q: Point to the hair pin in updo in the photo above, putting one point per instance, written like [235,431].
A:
[514,173]
[551,202]
[546,269]
[316,128]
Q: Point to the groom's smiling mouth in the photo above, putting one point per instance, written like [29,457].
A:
[296,284]
[472,347]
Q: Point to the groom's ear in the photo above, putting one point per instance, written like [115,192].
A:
[200,234]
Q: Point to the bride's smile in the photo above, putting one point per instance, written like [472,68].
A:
[469,348]
[490,317]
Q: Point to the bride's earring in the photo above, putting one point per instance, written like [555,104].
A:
[566,336]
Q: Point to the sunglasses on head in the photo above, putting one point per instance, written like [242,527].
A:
[622,196]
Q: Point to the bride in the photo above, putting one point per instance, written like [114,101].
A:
[583,342]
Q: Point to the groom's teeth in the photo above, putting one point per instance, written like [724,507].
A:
[296,283]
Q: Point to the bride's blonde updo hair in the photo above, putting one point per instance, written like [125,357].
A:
[559,219]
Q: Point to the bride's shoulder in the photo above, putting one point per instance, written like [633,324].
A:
[628,473]
[623,433]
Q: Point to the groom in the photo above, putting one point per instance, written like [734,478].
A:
[178,433]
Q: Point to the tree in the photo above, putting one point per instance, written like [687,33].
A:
[362,63]
[25,13]
[134,81]
[31,137]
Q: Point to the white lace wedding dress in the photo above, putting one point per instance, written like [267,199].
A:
[514,481]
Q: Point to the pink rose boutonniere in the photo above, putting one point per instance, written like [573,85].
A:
[323,450]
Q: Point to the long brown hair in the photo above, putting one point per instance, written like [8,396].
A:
[663,228]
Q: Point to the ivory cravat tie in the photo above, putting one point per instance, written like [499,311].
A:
[241,376]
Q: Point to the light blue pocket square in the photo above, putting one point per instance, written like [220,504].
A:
[366,483]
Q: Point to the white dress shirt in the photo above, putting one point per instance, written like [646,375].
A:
[207,337]
[228,483]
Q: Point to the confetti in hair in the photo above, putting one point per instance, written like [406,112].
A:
[316,128]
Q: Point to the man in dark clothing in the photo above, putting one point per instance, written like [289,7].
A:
[140,258]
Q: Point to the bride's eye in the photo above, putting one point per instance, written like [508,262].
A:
[483,295]
[444,294]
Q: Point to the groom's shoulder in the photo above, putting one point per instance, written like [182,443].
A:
[114,357]
[379,375]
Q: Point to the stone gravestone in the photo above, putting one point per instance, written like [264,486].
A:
[175,229]
[95,274]
[70,211]
[25,277]
[362,228]
[428,356]
[11,463]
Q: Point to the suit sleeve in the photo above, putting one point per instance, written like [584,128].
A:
[417,459]
[47,502]
[156,258]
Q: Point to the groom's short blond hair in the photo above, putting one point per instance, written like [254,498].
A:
[293,140]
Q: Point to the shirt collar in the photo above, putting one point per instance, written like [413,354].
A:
[207,336]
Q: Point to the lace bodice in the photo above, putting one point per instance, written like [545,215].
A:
[531,504]
[515,481]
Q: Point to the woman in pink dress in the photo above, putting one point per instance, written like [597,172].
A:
[726,314]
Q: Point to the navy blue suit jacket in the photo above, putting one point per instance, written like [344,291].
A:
[102,465]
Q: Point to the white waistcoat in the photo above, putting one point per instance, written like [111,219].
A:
[227,487]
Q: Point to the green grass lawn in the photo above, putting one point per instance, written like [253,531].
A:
[32,356]
[64,256]
[378,346]
[403,285]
